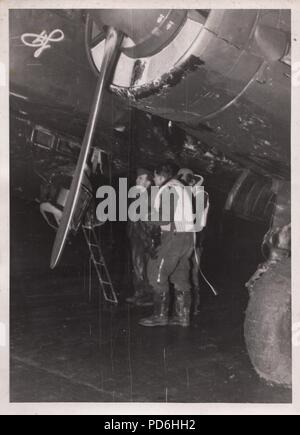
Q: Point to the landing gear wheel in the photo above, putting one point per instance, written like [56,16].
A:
[268,325]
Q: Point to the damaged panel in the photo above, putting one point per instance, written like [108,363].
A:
[237,27]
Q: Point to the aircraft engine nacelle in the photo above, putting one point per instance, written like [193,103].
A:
[223,75]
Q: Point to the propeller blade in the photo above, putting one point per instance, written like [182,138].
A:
[113,42]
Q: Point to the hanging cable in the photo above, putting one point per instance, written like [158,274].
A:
[200,270]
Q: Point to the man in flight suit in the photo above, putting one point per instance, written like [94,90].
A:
[188,178]
[173,255]
[139,234]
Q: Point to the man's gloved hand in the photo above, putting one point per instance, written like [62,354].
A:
[156,237]
[153,251]
[155,242]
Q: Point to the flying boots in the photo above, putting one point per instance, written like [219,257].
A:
[160,316]
[182,309]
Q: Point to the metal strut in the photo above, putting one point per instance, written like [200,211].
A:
[100,265]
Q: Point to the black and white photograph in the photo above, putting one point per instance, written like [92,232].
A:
[150,205]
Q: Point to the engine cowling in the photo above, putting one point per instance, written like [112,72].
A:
[224,76]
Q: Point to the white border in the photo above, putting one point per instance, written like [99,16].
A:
[137,409]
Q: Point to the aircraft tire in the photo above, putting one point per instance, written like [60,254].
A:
[268,325]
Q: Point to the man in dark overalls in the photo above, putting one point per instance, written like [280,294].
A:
[140,236]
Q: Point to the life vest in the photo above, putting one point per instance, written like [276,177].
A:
[204,215]
[183,213]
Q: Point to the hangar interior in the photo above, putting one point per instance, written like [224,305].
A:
[208,90]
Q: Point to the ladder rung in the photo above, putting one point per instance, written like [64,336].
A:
[103,279]
[99,263]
